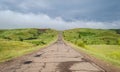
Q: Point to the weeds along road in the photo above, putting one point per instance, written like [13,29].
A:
[58,57]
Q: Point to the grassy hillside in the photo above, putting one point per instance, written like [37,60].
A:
[17,42]
[101,43]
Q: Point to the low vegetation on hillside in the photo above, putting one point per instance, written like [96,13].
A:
[92,36]
[16,42]
[103,43]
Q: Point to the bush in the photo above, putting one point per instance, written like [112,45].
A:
[36,42]
[80,43]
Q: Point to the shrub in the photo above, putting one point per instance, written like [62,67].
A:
[80,43]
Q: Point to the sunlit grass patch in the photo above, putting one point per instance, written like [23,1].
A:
[10,49]
[109,53]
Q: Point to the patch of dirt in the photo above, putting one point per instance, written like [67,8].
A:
[64,66]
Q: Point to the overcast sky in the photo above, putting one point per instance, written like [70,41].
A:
[59,14]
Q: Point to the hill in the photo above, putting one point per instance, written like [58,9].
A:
[101,43]
[16,42]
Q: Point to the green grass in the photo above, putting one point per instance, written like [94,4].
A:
[10,49]
[109,53]
[101,43]
[17,42]
[92,36]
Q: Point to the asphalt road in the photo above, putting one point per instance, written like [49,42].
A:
[58,57]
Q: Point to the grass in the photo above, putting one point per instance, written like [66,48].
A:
[17,42]
[103,44]
[92,36]
[109,53]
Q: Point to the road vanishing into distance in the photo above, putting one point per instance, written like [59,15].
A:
[57,57]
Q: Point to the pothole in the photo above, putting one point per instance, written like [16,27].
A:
[65,66]
[27,62]
[38,55]
[86,60]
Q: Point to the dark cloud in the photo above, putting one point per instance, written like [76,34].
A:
[69,11]
[100,10]
[10,19]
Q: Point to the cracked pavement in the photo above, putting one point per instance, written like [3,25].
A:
[58,57]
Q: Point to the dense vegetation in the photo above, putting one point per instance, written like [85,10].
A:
[83,37]
[102,43]
[16,42]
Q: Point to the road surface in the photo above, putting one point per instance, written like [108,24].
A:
[58,57]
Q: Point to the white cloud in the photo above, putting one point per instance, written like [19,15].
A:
[28,4]
[10,19]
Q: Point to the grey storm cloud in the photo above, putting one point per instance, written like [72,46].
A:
[60,14]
